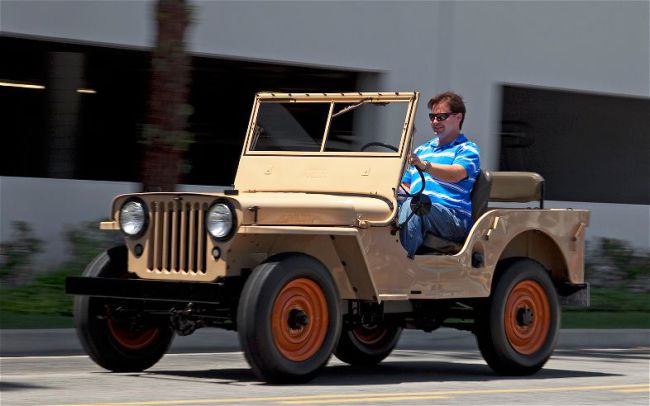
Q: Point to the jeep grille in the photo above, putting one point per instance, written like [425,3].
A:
[178,238]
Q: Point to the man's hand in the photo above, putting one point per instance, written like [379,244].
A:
[448,173]
[417,162]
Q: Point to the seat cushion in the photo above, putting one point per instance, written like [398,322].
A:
[441,245]
[480,196]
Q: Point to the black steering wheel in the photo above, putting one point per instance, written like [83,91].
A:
[378,144]
[420,203]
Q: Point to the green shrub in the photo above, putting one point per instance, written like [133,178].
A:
[16,254]
[615,264]
[45,293]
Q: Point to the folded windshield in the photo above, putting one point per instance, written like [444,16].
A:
[329,126]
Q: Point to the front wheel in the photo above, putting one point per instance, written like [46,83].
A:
[518,329]
[117,341]
[289,319]
[367,345]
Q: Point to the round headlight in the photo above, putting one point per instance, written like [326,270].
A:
[219,220]
[133,217]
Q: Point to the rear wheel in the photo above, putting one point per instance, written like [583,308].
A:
[517,331]
[289,319]
[366,345]
[115,341]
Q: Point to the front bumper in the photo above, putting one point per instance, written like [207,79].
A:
[215,293]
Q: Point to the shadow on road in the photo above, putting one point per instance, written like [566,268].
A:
[13,386]
[387,373]
[407,372]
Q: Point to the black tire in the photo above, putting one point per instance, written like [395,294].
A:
[367,345]
[117,346]
[289,319]
[518,328]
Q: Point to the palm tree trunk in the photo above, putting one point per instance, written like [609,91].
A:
[165,136]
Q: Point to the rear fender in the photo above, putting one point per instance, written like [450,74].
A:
[552,237]
[539,246]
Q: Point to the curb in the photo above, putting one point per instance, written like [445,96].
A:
[62,342]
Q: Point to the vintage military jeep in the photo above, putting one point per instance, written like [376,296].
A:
[302,257]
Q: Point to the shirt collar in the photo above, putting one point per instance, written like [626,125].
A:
[459,140]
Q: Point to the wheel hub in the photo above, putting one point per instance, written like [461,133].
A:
[297,319]
[132,336]
[525,316]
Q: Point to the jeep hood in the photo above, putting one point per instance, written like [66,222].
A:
[312,209]
[271,208]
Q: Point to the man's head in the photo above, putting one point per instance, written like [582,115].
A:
[447,114]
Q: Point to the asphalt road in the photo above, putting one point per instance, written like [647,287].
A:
[439,368]
[64,341]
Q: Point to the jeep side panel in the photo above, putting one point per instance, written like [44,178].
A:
[498,234]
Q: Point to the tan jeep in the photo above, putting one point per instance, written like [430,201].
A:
[302,257]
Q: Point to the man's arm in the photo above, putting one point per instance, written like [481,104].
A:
[447,173]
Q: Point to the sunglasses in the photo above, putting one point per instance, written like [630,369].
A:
[440,116]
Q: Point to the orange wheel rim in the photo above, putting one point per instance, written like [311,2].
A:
[527,317]
[369,336]
[132,339]
[299,319]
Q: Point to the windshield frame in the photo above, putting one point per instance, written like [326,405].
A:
[410,98]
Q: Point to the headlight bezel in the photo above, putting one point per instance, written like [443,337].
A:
[145,224]
[233,214]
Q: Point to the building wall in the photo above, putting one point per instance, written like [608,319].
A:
[470,47]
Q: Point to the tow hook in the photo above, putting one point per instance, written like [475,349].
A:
[180,322]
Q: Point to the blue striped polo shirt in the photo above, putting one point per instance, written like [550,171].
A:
[455,196]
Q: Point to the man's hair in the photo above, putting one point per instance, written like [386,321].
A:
[455,102]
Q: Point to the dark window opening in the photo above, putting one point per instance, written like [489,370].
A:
[588,147]
[102,139]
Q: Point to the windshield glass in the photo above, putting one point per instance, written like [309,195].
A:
[290,126]
[346,127]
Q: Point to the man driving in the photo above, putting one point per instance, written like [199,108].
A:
[450,165]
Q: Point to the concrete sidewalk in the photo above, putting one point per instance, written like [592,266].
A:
[65,342]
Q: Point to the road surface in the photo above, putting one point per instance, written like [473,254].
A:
[421,371]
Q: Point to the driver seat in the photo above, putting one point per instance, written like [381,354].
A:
[480,195]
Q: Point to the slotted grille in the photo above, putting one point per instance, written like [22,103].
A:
[178,237]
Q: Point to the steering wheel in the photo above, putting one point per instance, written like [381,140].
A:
[420,203]
[378,144]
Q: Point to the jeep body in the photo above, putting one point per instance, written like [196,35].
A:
[317,190]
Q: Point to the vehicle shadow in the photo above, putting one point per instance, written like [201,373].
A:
[400,368]
[394,372]
[6,386]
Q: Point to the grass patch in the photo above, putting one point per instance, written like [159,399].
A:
[610,308]
[42,302]
[604,299]
[44,296]
[600,319]
[10,320]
